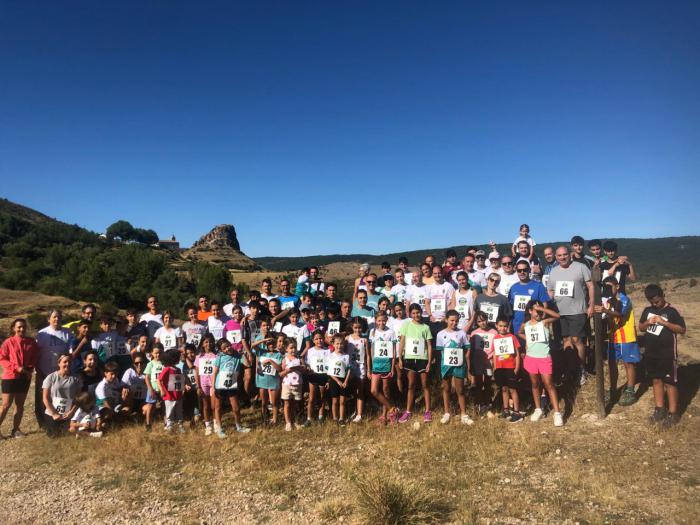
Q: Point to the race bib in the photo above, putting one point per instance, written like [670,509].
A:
[169,341]
[138,390]
[122,348]
[190,375]
[545,280]
[287,305]
[278,327]
[437,306]
[520,302]
[225,380]
[415,349]
[506,288]
[383,350]
[319,364]
[157,369]
[62,405]
[504,346]
[535,333]
[194,339]
[234,336]
[564,289]
[268,369]
[452,357]
[176,383]
[206,367]
[333,327]
[491,310]
[655,329]
[337,368]
[462,306]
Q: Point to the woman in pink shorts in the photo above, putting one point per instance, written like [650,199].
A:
[538,361]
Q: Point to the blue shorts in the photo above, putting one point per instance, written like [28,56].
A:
[625,352]
[152,399]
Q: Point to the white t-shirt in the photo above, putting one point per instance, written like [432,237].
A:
[52,343]
[228,309]
[506,282]
[109,391]
[439,295]
[152,322]
[168,337]
[216,326]
[298,332]
[317,359]
[135,383]
[417,294]
[194,332]
[396,324]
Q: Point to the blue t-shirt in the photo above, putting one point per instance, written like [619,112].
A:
[288,299]
[517,298]
[228,366]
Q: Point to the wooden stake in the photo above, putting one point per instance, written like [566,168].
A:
[599,342]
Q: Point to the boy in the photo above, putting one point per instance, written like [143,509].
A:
[109,395]
[415,355]
[453,345]
[619,267]
[662,323]
[623,345]
[506,364]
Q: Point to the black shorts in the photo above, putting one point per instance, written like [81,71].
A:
[226,392]
[573,325]
[416,365]
[506,377]
[662,367]
[19,385]
[335,390]
[318,379]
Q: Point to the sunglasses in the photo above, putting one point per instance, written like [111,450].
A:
[138,362]
[494,280]
[508,263]
[521,270]
[370,282]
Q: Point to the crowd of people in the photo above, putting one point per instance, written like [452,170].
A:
[497,335]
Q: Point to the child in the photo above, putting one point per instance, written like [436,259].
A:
[382,364]
[356,347]
[415,355]
[171,382]
[662,324]
[340,373]
[463,301]
[193,329]
[227,368]
[538,361]
[269,366]
[109,395]
[524,236]
[481,343]
[84,421]
[298,331]
[455,351]
[506,363]
[168,335]
[190,403]
[203,371]
[622,345]
[317,370]
[134,381]
[152,371]
[291,379]
[239,333]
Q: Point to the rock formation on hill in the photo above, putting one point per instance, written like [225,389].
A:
[221,246]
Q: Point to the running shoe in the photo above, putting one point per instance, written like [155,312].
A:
[405,416]
[558,419]
[445,418]
[427,416]
[466,420]
[515,417]
[536,415]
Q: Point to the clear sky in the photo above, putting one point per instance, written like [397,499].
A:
[343,127]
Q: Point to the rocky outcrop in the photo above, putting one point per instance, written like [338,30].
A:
[220,246]
[221,236]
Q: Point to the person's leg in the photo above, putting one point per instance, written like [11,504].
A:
[179,406]
[310,402]
[216,408]
[379,395]
[206,408]
[39,400]
[580,350]
[631,375]
[516,399]
[410,394]
[672,393]
[272,395]
[458,385]
[334,408]
[20,399]
[263,404]
[169,414]
[248,383]
[536,389]
[7,400]
[426,390]
[322,390]
[235,409]
[446,395]
[659,397]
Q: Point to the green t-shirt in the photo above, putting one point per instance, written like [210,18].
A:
[153,370]
[415,336]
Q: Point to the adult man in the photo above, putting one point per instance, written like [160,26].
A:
[437,298]
[477,279]
[88,313]
[495,263]
[549,262]
[362,309]
[152,319]
[235,296]
[524,291]
[480,257]
[491,302]
[596,249]
[508,275]
[577,255]
[316,284]
[570,286]
[372,295]
[331,297]
[204,311]
[286,298]
[619,267]
[524,253]
[266,290]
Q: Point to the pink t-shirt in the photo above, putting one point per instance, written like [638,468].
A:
[482,340]
[233,331]
[204,363]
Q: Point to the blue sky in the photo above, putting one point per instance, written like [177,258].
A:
[328,127]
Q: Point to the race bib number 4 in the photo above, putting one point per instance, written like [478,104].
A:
[452,357]
[655,329]
[564,289]
[383,350]
[504,346]
[520,302]
[491,310]
[415,349]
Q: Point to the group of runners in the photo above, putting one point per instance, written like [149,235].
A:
[499,332]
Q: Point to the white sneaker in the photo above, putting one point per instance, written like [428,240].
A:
[536,415]
[95,434]
[584,377]
[357,418]
[288,427]
[220,434]
[445,418]
[207,430]
[242,429]
[558,419]
[169,429]
[466,420]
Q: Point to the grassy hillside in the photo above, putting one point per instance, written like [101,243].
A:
[654,258]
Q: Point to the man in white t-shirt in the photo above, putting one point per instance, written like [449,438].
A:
[508,275]
[152,319]
[438,296]
[265,290]
[235,296]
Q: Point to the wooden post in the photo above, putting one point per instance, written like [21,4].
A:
[599,342]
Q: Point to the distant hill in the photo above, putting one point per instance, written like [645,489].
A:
[22,212]
[653,258]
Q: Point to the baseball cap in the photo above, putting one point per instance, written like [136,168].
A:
[494,255]
[481,253]
[305,307]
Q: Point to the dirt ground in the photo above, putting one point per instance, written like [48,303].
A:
[616,470]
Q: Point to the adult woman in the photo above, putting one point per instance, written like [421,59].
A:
[58,395]
[360,281]
[18,357]
[53,341]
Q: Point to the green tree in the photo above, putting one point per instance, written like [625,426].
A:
[212,280]
[145,236]
[120,229]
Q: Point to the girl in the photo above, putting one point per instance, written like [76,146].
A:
[59,390]
[203,371]
[91,371]
[455,352]
[134,381]
[171,382]
[340,372]
[269,366]
[415,354]
[356,346]
[298,331]
[317,370]
[291,380]
[523,236]
[84,422]
[463,301]
[481,343]
[18,357]
[193,329]
[168,335]
[538,361]
[190,403]
[141,346]
[225,378]
[233,332]
[151,373]
[382,364]
[506,364]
